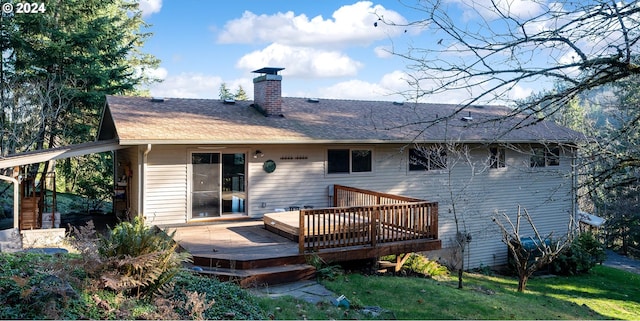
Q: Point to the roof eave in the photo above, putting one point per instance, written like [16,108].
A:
[135,142]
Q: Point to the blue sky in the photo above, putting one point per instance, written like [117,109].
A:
[330,49]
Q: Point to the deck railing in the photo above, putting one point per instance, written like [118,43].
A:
[351,196]
[367,219]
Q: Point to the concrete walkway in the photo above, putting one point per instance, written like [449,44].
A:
[622,262]
[308,290]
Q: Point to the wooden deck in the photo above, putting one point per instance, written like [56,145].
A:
[246,252]
[238,240]
[362,224]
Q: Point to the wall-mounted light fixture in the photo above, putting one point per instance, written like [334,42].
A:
[258,153]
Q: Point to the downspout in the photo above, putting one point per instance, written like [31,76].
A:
[574,190]
[142,182]
[16,199]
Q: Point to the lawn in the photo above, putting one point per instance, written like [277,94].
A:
[27,279]
[604,293]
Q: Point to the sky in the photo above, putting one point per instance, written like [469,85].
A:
[329,48]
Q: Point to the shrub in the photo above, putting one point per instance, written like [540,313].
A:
[422,265]
[583,254]
[132,257]
[139,258]
[324,270]
[37,286]
[217,300]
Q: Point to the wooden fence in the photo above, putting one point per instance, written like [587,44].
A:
[366,218]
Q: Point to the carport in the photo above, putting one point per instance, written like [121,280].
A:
[34,157]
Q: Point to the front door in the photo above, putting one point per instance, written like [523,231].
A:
[218,183]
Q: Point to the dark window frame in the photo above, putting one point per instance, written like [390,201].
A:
[354,160]
[428,158]
[545,157]
[497,157]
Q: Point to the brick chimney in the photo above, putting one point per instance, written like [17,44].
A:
[267,91]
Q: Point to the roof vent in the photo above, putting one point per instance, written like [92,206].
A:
[398,103]
[157,99]
[229,101]
[313,100]
[467,118]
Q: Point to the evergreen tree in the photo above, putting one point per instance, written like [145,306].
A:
[240,94]
[225,93]
[57,67]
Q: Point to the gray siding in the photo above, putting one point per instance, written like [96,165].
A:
[479,193]
[165,194]
[300,179]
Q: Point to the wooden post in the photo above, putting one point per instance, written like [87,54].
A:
[401,260]
[301,231]
[375,218]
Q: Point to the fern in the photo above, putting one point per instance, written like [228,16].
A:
[144,258]
[132,258]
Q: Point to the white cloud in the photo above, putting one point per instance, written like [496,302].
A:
[157,73]
[188,85]
[301,61]
[355,89]
[383,51]
[519,92]
[349,25]
[487,9]
[196,85]
[150,7]
[392,86]
[396,81]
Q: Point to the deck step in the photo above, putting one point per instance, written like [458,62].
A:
[243,261]
[261,276]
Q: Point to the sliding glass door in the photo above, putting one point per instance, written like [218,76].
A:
[217,184]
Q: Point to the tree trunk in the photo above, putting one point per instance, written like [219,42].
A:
[522,283]
[460,278]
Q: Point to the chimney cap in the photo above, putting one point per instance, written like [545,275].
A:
[268,70]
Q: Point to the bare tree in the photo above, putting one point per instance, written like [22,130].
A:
[488,48]
[446,157]
[529,259]
[493,46]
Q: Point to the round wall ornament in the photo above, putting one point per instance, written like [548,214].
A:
[269,166]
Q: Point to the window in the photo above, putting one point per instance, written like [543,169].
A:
[497,159]
[545,157]
[553,157]
[360,160]
[428,158]
[338,161]
[347,161]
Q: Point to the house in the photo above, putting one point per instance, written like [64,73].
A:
[183,161]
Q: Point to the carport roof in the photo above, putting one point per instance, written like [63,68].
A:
[58,153]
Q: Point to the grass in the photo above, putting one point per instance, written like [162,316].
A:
[605,293]
[290,308]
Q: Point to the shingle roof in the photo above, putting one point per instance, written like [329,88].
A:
[139,120]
